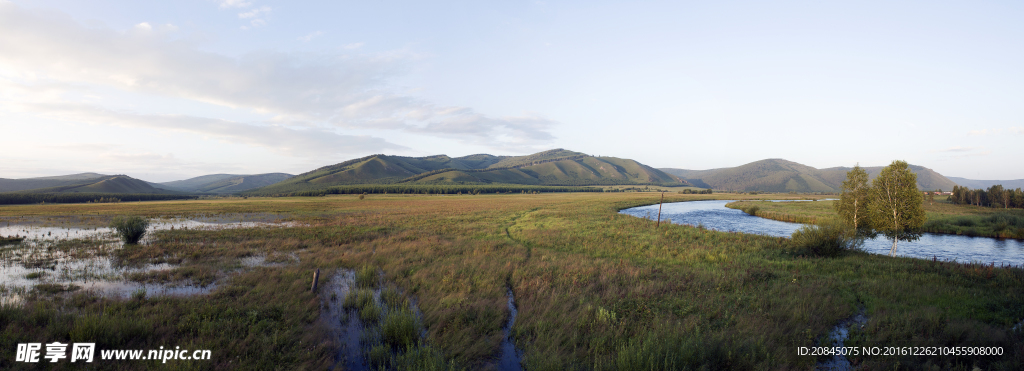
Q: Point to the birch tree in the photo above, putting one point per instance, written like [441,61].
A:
[852,206]
[895,206]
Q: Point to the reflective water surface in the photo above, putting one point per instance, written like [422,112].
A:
[714,215]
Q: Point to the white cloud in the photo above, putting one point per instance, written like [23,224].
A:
[323,91]
[1011,130]
[144,26]
[310,36]
[957,149]
[254,13]
[353,46]
[234,4]
[311,142]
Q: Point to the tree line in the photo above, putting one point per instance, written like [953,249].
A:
[433,189]
[71,198]
[994,196]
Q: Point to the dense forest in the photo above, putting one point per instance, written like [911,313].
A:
[994,196]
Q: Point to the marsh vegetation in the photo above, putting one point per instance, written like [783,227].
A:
[594,289]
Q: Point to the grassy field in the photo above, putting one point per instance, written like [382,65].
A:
[942,217]
[596,290]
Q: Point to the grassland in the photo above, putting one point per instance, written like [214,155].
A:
[942,217]
[595,289]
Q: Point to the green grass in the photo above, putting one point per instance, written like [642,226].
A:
[595,289]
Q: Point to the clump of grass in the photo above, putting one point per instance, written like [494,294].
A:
[379,356]
[752,210]
[366,276]
[393,298]
[358,298]
[130,228]
[370,312]
[35,275]
[55,288]
[400,329]
[828,238]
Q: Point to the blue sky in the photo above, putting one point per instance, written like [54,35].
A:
[166,90]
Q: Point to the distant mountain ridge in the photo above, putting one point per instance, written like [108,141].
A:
[224,183]
[778,175]
[984,184]
[15,185]
[81,183]
[553,167]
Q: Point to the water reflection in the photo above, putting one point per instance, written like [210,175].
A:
[714,215]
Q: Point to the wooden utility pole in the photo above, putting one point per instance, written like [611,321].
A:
[659,210]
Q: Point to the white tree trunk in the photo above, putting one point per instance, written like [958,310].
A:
[892,252]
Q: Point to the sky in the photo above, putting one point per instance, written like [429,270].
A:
[168,90]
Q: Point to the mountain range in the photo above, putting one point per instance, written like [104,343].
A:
[100,183]
[554,167]
[984,184]
[223,183]
[778,175]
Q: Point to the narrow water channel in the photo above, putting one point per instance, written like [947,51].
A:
[714,215]
[510,358]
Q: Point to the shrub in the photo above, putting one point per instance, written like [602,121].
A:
[752,210]
[130,228]
[830,237]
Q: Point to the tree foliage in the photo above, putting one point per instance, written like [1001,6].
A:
[994,196]
[15,198]
[852,206]
[895,206]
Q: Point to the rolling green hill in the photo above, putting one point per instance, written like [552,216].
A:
[223,183]
[104,184]
[14,185]
[778,175]
[557,167]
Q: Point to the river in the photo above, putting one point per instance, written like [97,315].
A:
[714,215]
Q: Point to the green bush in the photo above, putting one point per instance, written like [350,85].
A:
[830,237]
[130,228]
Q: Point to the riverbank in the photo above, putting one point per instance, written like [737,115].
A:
[594,289]
[942,217]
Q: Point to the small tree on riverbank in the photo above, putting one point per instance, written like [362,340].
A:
[895,206]
[853,201]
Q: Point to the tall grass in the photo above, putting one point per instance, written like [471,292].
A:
[130,228]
